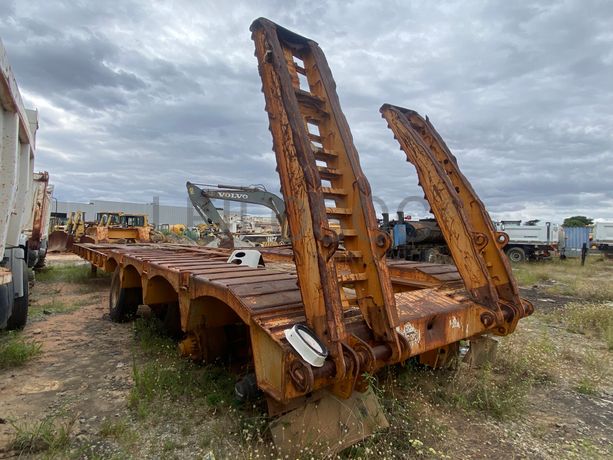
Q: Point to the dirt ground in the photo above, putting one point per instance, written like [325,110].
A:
[84,371]
[83,378]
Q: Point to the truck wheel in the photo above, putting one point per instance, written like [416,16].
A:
[19,316]
[123,302]
[516,255]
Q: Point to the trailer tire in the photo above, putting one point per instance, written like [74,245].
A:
[123,302]
[19,316]
[516,255]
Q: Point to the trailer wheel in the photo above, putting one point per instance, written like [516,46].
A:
[19,316]
[516,255]
[123,302]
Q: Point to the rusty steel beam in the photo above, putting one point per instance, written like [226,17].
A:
[476,247]
[325,190]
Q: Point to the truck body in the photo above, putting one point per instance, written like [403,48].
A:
[37,228]
[532,242]
[19,200]
[602,237]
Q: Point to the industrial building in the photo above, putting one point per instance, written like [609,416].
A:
[160,213]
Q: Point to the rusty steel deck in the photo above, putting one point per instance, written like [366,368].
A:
[213,294]
[405,275]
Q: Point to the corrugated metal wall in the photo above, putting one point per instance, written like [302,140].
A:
[575,237]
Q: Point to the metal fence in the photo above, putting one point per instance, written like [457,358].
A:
[574,239]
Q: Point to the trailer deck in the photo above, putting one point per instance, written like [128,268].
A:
[213,295]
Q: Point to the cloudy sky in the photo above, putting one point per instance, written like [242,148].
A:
[136,96]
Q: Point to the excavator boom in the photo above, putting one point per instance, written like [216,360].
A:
[206,208]
[250,195]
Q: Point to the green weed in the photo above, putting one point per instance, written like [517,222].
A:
[590,319]
[167,377]
[120,430]
[49,434]
[591,282]
[69,274]
[38,311]
[15,350]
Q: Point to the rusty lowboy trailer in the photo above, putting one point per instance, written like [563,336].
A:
[368,312]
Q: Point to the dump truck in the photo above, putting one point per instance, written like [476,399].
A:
[312,335]
[602,238]
[37,227]
[21,212]
[532,241]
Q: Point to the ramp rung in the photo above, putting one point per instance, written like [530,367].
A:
[330,191]
[324,155]
[338,211]
[310,100]
[328,173]
[352,278]
[348,232]
[316,138]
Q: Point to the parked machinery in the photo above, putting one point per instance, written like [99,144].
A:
[257,195]
[418,240]
[532,240]
[113,227]
[63,236]
[201,200]
[602,238]
[109,227]
[346,312]
[23,200]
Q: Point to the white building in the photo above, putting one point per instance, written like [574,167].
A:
[162,214]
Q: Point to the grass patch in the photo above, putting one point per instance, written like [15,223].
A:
[498,389]
[170,389]
[69,274]
[167,377]
[50,434]
[15,350]
[590,319]
[529,274]
[592,282]
[532,359]
[119,430]
[37,311]
[594,373]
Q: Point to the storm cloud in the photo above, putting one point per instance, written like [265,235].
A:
[136,97]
